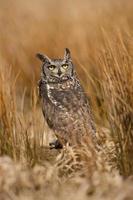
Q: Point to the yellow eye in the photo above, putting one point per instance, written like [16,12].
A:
[65,66]
[51,67]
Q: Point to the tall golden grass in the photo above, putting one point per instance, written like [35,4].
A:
[99,35]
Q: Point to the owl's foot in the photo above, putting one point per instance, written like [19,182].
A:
[55,145]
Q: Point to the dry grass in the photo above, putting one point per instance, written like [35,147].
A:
[99,34]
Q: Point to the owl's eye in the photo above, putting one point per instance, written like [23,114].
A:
[65,66]
[51,67]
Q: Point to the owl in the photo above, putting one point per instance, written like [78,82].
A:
[65,105]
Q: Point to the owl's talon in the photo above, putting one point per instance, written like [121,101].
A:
[55,145]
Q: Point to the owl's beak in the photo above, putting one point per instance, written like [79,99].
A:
[59,73]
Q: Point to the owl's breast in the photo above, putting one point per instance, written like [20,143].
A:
[67,111]
[65,100]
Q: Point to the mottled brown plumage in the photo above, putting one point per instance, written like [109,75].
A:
[65,105]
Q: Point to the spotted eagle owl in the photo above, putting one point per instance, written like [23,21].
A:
[65,106]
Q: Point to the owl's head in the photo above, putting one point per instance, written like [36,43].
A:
[57,70]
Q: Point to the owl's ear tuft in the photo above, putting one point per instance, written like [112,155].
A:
[43,58]
[67,55]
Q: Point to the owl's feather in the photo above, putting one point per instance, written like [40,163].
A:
[67,111]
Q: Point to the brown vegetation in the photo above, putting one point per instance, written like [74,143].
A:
[99,34]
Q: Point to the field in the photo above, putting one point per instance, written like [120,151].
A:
[100,36]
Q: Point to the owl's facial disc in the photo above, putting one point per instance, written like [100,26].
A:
[57,70]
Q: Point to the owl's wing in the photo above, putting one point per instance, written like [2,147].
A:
[41,88]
